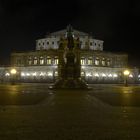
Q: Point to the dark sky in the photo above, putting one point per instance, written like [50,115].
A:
[114,21]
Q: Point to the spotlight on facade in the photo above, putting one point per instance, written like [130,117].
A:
[50,74]
[131,76]
[27,74]
[110,75]
[115,75]
[96,75]
[103,75]
[42,74]
[34,74]
[126,74]
[22,74]
[88,74]
[56,73]
[7,74]
[139,77]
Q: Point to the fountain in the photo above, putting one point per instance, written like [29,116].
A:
[69,63]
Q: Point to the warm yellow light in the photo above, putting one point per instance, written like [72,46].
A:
[126,72]
[13,71]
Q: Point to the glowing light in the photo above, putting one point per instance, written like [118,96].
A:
[115,75]
[88,74]
[96,75]
[42,74]
[50,74]
[56,73]
[28,74]
[13,71]
[126,72]
[139,76]
[103,75]
[131,76]
[22,74]
[110,75]
[34,74]
[7,74]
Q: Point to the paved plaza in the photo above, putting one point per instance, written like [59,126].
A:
[34,112]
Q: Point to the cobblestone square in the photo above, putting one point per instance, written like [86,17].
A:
[34,112]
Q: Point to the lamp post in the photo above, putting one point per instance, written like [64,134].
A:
[126,73]
[13,74]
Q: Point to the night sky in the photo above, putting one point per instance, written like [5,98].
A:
[115,21]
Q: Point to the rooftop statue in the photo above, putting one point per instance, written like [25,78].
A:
[70,37]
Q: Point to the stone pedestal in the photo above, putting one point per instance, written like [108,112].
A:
[70,74]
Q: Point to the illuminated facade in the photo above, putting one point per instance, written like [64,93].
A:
[96,65]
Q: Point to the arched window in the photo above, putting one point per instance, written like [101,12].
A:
[56,60]
[49,60]
[90,61]
[108,62]
[35,60]
[97,61]
[41,60]
[82,61]
[56,73]
[82,73]
[30,60]
[103,61]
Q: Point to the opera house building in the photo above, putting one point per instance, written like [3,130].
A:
[45,62]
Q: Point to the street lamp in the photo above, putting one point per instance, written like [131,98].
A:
[13,74]
[126,73]
[13,71]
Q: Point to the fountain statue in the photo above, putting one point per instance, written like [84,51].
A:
[69,63]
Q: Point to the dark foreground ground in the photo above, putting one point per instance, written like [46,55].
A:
[33,112]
